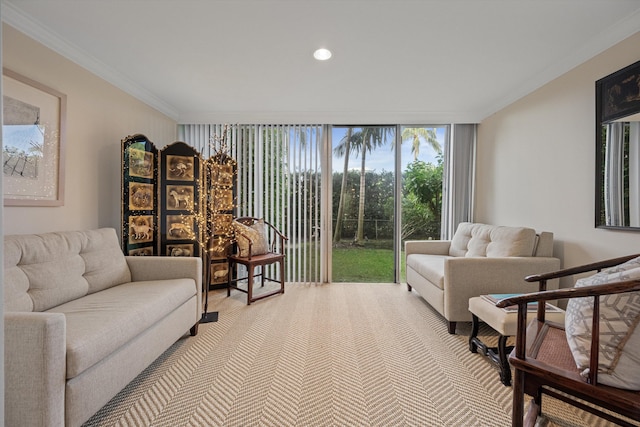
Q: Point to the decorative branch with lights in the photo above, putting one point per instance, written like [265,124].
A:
[214,215]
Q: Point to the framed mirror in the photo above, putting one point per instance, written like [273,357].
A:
[618,150]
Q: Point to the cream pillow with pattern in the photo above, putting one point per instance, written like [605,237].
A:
[255,233]
[619,357]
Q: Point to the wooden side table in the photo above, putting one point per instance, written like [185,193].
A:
[504,323]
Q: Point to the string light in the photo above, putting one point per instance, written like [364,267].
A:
[214,213]
[211,213]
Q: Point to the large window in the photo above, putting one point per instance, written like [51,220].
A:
[368,234]
[348,222]
[279,179]
[363,203]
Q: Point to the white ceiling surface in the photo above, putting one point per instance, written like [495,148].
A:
[394,61]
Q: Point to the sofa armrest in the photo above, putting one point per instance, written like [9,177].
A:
[470,277]
[427,247]
[35,368]
[165,267]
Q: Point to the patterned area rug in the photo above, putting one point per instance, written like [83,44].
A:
[325,355]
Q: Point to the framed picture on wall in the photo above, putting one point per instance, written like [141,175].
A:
[33,142]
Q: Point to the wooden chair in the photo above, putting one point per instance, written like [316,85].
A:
[542,360]
[275,255]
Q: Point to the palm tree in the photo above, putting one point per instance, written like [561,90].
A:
[343,149]
[418,134]
[365,141]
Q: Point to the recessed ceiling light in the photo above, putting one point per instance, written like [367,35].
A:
[322,54]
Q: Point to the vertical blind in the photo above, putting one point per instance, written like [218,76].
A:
[458,178]
[279,179]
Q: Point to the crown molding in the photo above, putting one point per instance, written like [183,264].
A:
[11,15]
[332,117]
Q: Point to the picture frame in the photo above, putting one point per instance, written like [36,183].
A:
[143,251]
[33,142]
[180,197]
[219,273]
[141,229]
[180,227]
[180,168]
[140,163]
[618,94]
[180,250]
[140,196]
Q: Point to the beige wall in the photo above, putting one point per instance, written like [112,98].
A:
[536,161]
[99,116]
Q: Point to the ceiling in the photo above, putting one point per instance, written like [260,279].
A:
[394,61]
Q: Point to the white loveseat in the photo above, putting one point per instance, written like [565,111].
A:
[82,321]
[480,259]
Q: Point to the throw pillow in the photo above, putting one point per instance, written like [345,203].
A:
[256,234]
[619,356]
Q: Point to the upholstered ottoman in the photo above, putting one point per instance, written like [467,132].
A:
[504,323]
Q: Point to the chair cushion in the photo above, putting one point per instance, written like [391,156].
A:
[255,233]
[619,357]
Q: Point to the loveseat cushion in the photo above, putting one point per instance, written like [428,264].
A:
[482,240]
[46,270]
[100,323]
[431,267]
[618,360]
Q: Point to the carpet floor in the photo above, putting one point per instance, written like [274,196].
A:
[323,355]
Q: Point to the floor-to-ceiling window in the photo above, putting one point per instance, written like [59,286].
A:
[349,196]
[422,169]
[363,203]
[279,179]
[387,187]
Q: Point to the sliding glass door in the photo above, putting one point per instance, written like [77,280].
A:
[373,209]
[422,166]
[363,203]
[349,222]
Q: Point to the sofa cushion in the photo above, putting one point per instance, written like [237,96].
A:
[105,264]
[431,267]
[47,267]
[482,240]
[46,270]
[618,360]
[100,323]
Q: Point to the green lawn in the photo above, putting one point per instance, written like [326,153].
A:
[369,264]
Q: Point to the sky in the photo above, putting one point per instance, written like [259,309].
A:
[24,137]
[382,158]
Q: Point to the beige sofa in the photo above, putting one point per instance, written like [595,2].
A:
[480,259]
[82,321]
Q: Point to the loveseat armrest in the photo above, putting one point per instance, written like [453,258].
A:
[34,368]
[427,247]
[165,267]
[471,277]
